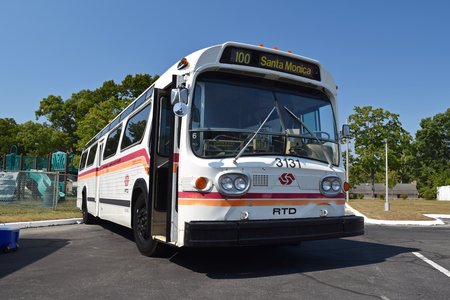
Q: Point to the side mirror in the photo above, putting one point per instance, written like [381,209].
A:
[179,95]
[345,133]
[180,109]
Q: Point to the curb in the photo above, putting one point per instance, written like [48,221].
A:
[34,224]
[367,220]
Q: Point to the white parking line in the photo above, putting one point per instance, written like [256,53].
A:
[433,264]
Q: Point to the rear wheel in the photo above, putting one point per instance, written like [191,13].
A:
[142,236]
[87,217]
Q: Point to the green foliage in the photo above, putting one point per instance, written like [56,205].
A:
[74,121]
[40,139]
[97,118]
[8,132]
[432,150]
[370,128]
[87,112]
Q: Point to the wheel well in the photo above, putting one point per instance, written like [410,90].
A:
[139,188]
[83,197]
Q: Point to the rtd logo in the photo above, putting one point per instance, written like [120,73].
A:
[286,178]
[126,180]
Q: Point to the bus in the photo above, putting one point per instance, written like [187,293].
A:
[234,145]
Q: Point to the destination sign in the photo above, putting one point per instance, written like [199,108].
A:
[264,60]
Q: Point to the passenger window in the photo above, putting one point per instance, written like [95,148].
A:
[91,156]
[83,160]
[135,128]
[112,143]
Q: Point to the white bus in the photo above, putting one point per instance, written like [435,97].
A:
[234,145]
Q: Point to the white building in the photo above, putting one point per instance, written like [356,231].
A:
[443,193]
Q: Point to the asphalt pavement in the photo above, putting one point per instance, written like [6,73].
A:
[102,262]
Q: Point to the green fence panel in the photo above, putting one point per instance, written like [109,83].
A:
[59,161]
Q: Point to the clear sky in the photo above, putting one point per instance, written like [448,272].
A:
[389,54]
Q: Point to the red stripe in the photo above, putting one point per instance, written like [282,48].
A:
[128,157]
[216,195]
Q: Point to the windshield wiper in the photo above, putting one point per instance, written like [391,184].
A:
[325,153]
[253,137]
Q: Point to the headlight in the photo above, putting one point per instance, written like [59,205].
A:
[326,185]
[226,183]
[336,185]
[240,183]
[330,186]
[233,184]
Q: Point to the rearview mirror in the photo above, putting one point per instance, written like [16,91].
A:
[179,95]
[180,109]
[345,133]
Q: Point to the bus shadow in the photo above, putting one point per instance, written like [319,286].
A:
[123,231]
[30,251]
[253,262]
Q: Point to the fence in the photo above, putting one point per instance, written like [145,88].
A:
[33,188]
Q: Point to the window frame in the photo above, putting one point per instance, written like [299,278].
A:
[119,127]
[126,126]
[88,164]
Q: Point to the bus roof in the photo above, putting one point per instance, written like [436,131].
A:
[270,63]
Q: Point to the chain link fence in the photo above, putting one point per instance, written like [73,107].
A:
[30,188]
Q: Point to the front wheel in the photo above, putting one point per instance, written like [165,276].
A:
[142,236]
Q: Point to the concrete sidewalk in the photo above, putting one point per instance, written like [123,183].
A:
[437,219]
[34,224]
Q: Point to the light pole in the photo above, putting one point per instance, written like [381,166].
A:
[386,204]
[347,170]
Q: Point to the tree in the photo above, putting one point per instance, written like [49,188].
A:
[370,128]
[8,132]
[40,139]
[68,115]
[432,151]
[97,118]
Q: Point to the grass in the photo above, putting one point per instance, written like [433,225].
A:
[400,209]
[32,210]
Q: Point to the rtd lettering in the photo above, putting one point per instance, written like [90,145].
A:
[284,211]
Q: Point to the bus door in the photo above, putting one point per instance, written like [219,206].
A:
[161,166]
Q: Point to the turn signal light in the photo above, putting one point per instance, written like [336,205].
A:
[346,186]
[201,183]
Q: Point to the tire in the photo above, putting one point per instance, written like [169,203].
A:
[87,217]
[144,241]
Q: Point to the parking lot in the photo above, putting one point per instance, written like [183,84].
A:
[101,261]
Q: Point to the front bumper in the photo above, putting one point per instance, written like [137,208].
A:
[263,232]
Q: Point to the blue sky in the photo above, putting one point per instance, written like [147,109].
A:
[389,54]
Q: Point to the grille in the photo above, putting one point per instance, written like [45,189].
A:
[260,180]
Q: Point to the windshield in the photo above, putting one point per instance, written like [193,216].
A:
[228,110]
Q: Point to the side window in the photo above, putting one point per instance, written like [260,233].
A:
[91,156]
[83,160]
[135,128]
[112,143]
[165,122]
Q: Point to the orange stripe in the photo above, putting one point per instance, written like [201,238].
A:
[89,175]
[131,163]
[259,202]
